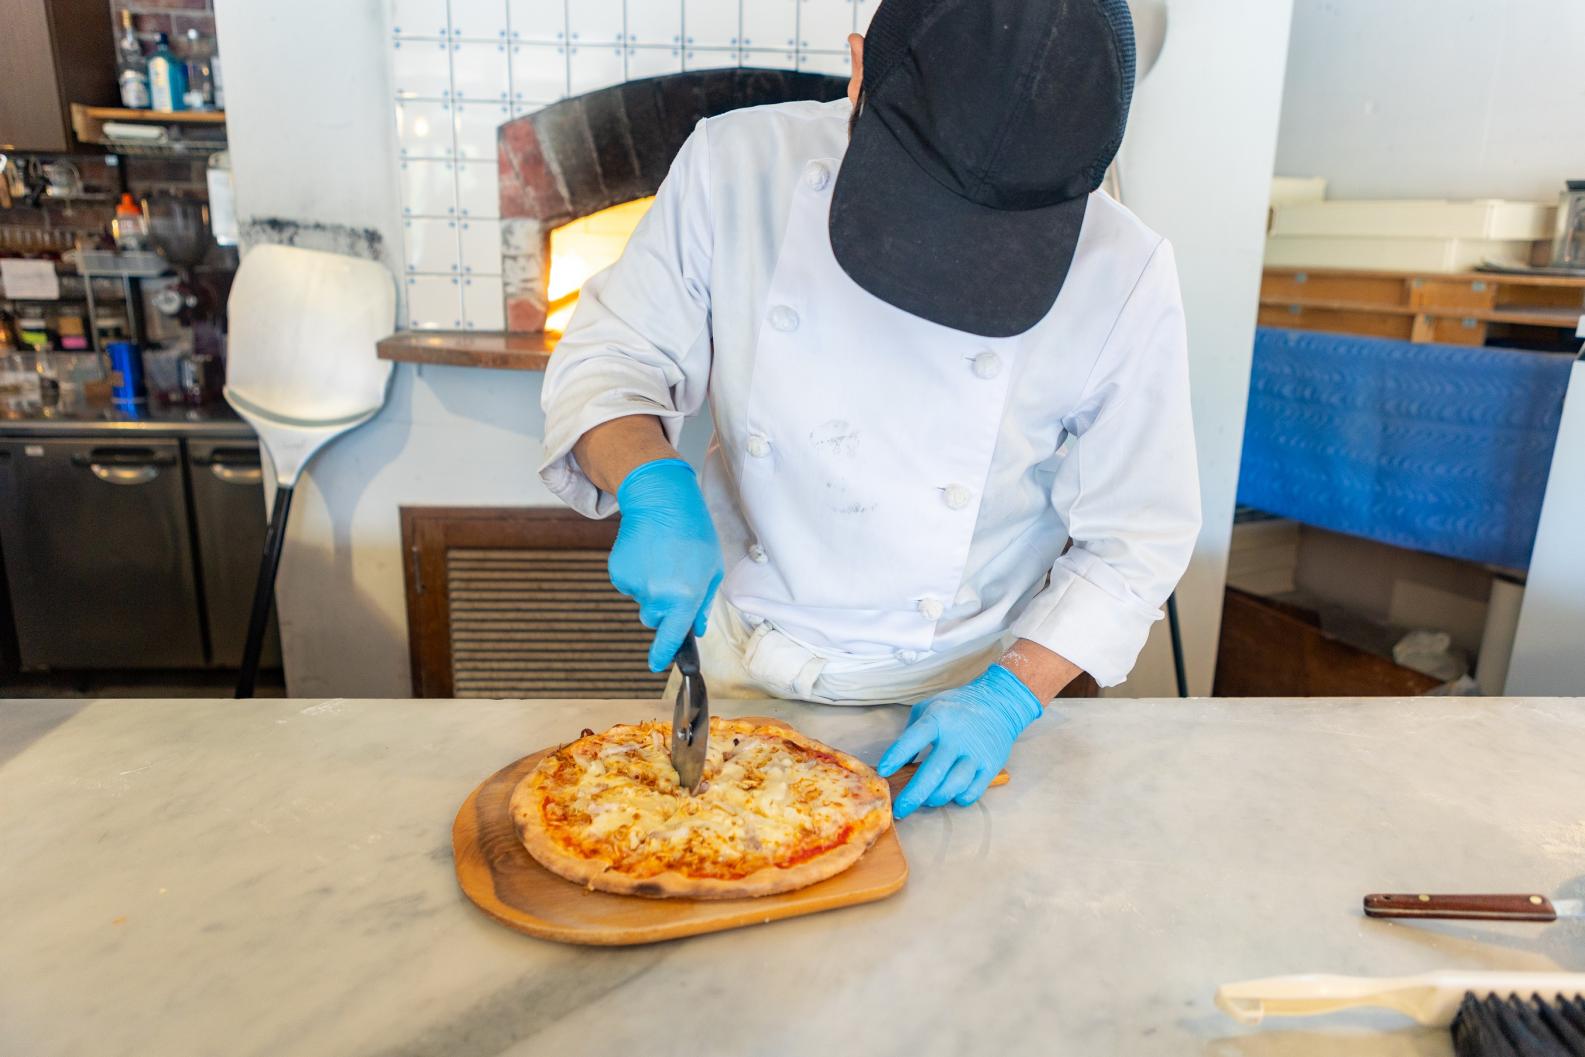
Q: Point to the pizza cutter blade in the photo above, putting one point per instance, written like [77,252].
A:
[690,718]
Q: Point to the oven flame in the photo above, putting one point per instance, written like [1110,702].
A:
[582,248]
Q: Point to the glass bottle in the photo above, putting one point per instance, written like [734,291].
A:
[131,66]
[200,84]
[167,77]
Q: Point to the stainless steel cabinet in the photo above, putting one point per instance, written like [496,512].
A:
[98,553]
[228,510]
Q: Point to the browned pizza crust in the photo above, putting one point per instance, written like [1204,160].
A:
[528,814]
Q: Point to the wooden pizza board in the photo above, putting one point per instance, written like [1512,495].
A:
[502,879]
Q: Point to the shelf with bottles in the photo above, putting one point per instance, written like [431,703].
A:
[172,98]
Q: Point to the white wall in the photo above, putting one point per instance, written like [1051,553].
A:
[1197,167]
[459,70]
[1435,98]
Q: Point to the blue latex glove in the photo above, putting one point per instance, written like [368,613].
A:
[972,730]
[666,556]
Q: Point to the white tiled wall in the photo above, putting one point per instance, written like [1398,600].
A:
[463,67]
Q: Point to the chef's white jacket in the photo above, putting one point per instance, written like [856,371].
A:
[891,493]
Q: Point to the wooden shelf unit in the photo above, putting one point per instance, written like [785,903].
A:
[1452,308]
[88,122]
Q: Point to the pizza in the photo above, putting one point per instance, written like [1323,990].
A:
[775,811]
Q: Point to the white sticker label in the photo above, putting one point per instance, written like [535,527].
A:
[35,450]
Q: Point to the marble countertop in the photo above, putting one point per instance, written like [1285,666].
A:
[274,877]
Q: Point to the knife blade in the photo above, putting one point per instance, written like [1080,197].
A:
[1518,907]
[690,718]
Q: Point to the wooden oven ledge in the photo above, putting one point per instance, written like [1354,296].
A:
[470,348]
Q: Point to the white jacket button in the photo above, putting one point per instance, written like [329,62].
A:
[783,319]
[817,176]
[931,608]
[758,445]
[756,554]
[956,496]
[907,656]
[987,365]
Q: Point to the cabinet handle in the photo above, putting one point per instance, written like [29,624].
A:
[123,457]
[124,466]
[114,474]
[128,466]
[237,474]
[240,466]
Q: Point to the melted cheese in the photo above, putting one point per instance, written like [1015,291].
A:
[764,802]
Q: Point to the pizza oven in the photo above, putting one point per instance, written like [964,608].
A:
[576,176]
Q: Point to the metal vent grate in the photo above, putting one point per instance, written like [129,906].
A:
[543,623]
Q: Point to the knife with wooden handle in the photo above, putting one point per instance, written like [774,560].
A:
[1521,907]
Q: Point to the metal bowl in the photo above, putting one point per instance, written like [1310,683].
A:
[178,227]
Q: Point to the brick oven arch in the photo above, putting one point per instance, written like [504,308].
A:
[614,145]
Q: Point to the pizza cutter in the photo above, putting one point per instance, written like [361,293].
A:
[690,718]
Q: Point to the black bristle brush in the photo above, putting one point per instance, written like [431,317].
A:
[1513,1027]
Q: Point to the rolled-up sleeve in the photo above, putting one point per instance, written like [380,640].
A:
[639,342]
[1127,488]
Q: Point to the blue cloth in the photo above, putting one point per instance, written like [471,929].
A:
[1439,448]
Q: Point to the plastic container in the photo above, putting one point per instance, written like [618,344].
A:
[33,329]
[19,384]
[130,227]
[72,331]
[143,264]
[222,199]
[1568,242]
[78,368]
[162,372]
